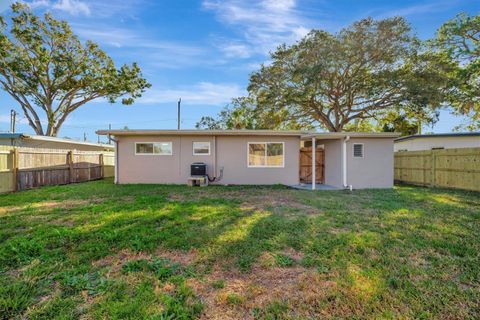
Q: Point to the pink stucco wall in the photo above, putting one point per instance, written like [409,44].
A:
[374,170]
[231,155]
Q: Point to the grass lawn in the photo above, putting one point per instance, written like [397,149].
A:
[98,250]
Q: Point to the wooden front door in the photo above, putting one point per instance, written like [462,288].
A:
[306,165]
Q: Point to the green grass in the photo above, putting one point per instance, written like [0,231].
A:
[98,250]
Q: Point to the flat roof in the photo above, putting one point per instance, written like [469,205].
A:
[53,139]
[154,132]
[341,135]
[439,135]
[245,132]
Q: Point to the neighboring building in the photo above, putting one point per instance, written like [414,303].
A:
[33,141]
[357,160]
[419,142]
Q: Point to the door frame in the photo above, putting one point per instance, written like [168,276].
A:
[305,165]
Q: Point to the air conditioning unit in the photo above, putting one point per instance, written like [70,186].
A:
[198,169]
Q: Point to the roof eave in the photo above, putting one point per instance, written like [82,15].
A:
[300,134]
[199,132]
[341,135]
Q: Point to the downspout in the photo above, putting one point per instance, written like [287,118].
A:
[215,177]
[115,141]
[314,163]
[215,156]
[344,159]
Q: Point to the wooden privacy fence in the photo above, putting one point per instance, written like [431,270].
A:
[448,168]
[25,168]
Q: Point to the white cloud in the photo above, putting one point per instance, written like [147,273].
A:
[146,48]
[263,24]
[206,93]
[73,7]
[278,5]
[419,9]
[236,50]
[127,38]
[39,4]
[5,118]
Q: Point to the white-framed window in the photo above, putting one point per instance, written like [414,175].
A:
[201,148]
[358,150]
[266,155]
[153,148]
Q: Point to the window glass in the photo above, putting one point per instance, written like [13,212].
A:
[275,154]
[161,148]
[268,154]
[144,147]
[256,154]
[201,148]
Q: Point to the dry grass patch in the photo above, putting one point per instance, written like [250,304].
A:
[241,293]
[46,206]
[184,258]
[116,261]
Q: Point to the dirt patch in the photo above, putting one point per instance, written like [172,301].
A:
[51,205]
[279,202]
[62,222]
[116,261]
[243,292]
[252,200]
[296,255]
[182,257]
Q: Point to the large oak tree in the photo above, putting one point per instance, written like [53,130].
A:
[363,72]
[459,38]
[51,73]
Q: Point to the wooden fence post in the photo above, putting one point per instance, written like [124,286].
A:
[433,167]
[70,166]
[100,161]
[15,169]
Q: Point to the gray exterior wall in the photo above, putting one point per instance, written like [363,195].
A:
[231,155]
[375,169]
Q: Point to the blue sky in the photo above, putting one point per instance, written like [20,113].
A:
[203,51]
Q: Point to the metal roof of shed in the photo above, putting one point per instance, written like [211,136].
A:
[52,139]
[439,135]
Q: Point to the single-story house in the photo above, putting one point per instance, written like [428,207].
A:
[263,157]
[420,142]
[44,142]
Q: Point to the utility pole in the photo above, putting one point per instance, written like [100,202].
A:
[109,128]
[84,136]
[178,113]
[13,120]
